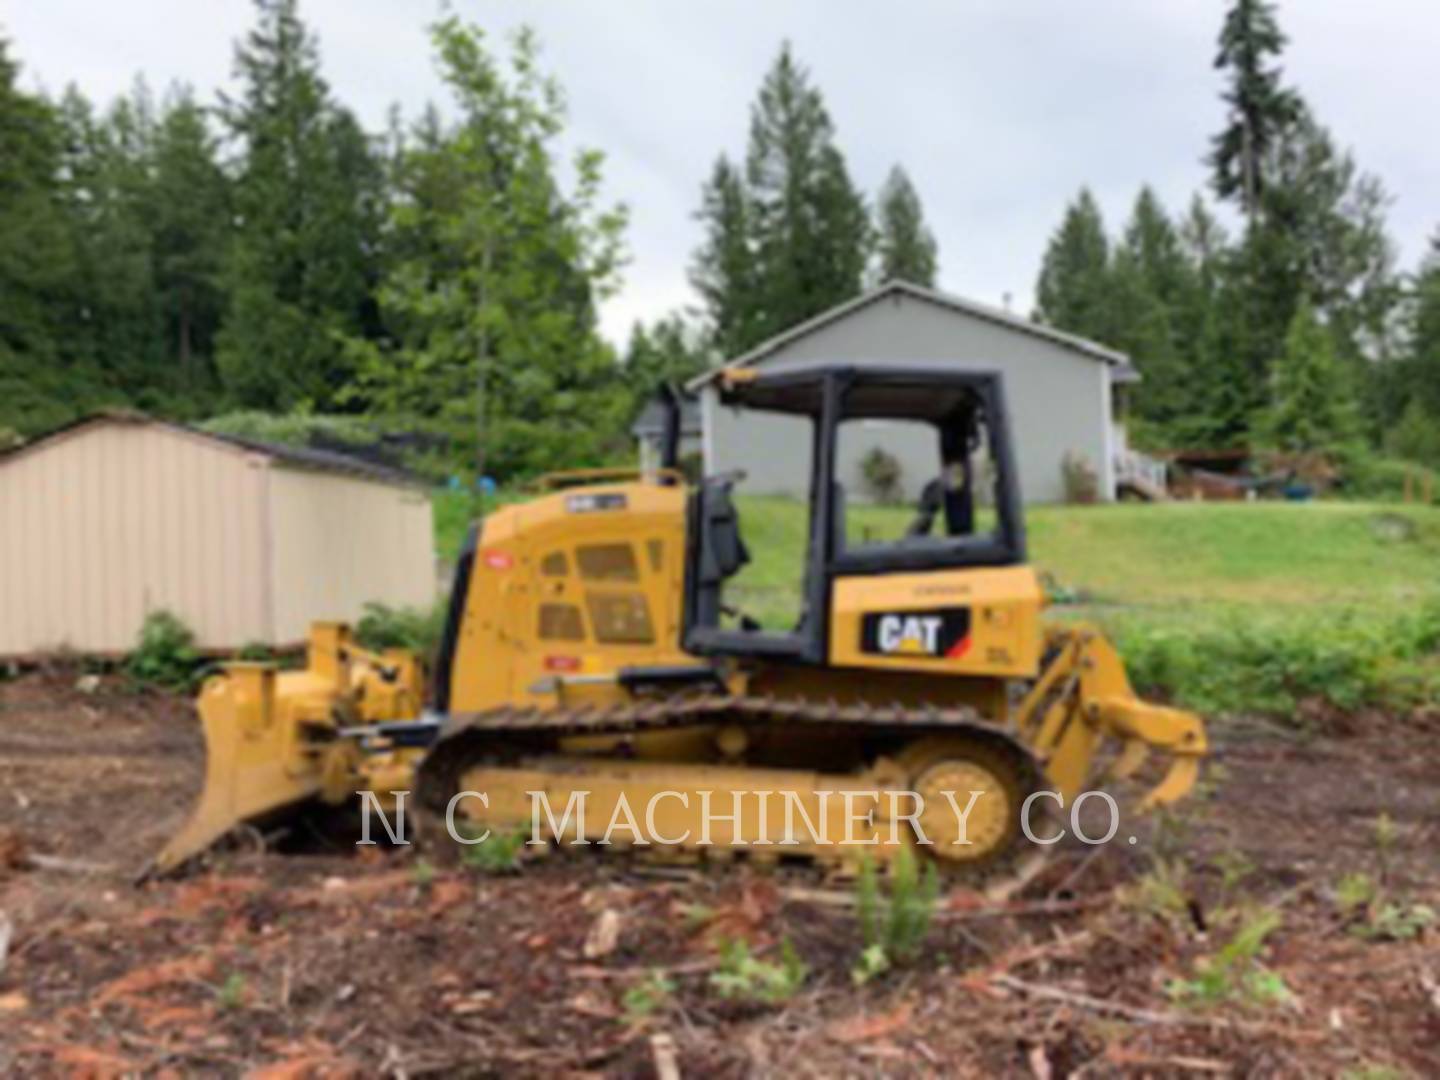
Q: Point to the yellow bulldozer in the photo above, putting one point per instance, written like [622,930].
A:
[592,660]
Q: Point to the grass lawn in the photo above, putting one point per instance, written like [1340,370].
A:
[1198,558]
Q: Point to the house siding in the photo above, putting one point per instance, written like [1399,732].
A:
[1058,401]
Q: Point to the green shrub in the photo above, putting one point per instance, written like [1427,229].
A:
[692,464]
[894,927]
[1416,437]
[256,652]
[1242,665]
[882,473]
[231,993]
[1082,483]
[165,654]
[384,627]
[1235,973]
[290,429]
[1368,476]
[645,998]
[743,976]
[497,854]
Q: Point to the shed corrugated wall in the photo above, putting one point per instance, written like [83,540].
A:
[338,543]
[101,525]
[114,520]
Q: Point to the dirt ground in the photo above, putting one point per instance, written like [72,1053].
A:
[329,963]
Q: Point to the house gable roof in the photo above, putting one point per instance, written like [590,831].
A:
[1124,371]
[293,456]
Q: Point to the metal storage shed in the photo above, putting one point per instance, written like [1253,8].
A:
[119,515]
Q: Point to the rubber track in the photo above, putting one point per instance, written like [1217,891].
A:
[469,737]
[647,715]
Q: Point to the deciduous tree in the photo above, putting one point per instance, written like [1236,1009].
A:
[490,308]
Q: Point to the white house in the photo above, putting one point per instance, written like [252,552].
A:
[1065,394]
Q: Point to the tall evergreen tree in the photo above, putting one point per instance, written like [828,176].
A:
[1151,286]
[1413,383]
[189,219]
[308,206]
[1320,234]
[42,382]
[811,227]
[1311,405]
[490,306]
[905,246]
[1073,291]
[724,270]
[669,351]
[1261,107]
[794,217]
[108,167]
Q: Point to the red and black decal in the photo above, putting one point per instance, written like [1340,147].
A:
[938,632]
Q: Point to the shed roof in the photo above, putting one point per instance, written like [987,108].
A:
[300,457]
[1124,370]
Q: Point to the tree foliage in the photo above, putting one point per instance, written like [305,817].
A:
[1072,293]
[39,375]
[308,203]
[1260,107]
[491,302]
[788,236]
[1311,404]
[670,351]
[905,247]
[1209,320]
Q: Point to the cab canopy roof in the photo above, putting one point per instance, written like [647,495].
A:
[927,391]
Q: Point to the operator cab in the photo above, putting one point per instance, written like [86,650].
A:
[964,504]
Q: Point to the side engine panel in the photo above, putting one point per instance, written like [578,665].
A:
[973,621]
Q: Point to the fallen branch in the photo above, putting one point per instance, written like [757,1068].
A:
[1022,908]
[56,864]
[1094,1004]
[1014,909]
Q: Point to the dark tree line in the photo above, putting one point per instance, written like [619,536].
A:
[1297,334]
[265,254]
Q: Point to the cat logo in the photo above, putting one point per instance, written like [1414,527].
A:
[910,634]
[937,633]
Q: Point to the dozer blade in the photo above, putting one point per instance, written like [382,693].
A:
[253,766]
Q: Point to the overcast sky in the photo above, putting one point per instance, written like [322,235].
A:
[999,110]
